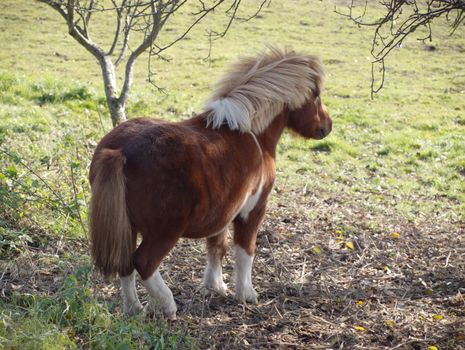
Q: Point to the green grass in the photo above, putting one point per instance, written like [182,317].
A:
[408,143]
[73,318]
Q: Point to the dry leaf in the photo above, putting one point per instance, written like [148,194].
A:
[395,235]
[317,250]
[390,323]
[437,317]
[360,328]
[350,245]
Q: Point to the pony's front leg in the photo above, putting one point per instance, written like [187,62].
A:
[147,259]
[213,276]
[245,237]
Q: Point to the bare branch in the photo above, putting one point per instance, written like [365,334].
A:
[234,8]
[148,41]
[259,9]
[70,13]
[400,19]
[25,165]
[56,7]
[89,11]
[119,21]
[145,17]
[75,31]
[192,25]
[126,31]
[129,17]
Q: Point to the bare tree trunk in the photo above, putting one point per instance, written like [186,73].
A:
[147,17]
[117,112]
[115,103]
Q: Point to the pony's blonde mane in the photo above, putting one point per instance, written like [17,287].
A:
[258,88]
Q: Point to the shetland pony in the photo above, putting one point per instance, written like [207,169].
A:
[193,178]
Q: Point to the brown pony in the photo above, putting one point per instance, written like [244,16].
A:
[193,178]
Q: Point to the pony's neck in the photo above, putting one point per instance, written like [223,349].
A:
[270,137]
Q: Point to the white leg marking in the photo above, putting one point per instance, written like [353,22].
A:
[163,295]
[213,276]
[131,303]
[251,202]
[244,288]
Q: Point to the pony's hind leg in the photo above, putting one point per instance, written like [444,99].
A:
[147,259]
[213,276]
[158,290]
[131,303]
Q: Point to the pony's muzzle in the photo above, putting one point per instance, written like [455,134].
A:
[326,129]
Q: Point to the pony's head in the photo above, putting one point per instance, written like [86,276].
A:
[311,120]
[257,89]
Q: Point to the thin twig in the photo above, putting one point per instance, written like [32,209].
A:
[73,181]
[401,19]
[23,163]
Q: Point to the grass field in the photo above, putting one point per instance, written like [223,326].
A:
[364,240]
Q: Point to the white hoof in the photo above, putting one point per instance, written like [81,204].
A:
[221,288]
[169,311]
[247,295]
[171,317]
[132,309]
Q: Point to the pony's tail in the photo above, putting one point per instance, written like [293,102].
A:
[112,240]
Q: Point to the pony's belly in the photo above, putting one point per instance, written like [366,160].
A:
[216,221]
[213,224]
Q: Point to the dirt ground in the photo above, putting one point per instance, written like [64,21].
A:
[347,279]
[344,278]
